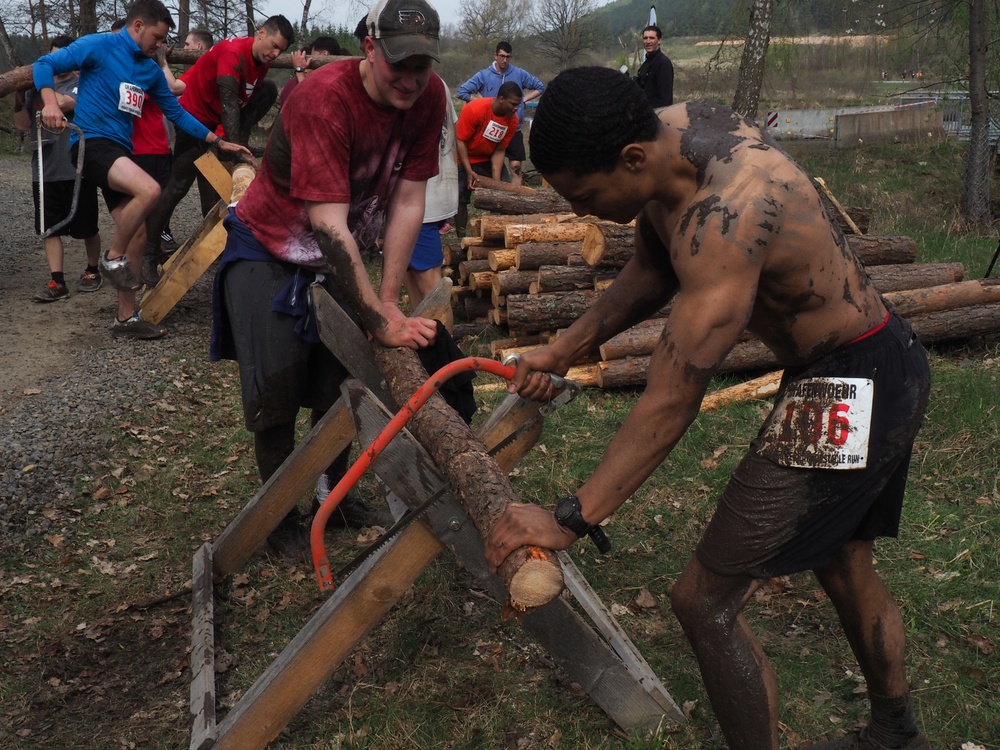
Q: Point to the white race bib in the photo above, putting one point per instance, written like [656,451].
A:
[821,423]
[494,131]
[130,99]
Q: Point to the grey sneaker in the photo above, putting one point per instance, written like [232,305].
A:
[90,281]
[860,740]
[137,328]
[352,512]
[52,291]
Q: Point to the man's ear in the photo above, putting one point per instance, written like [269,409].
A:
[633,157]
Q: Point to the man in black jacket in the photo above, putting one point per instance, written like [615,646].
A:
[656,74]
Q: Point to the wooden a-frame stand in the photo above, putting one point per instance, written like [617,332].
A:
[190,262]
[596,655]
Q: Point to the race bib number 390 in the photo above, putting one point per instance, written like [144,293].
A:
[130,98]
[821,423]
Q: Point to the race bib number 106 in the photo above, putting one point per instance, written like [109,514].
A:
[821,423]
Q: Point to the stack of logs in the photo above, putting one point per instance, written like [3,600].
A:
[533,267]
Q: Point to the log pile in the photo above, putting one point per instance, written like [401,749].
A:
[531,268]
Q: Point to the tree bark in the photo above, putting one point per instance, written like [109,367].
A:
[875,250]
[511,282]
[543,201]
[529,313]
[751,76]
[467,267]
[515,234]
[532,575]
[502,259]
[608,245]
[977,170]
[899,277]
[614,244]
[531,256]
[944,297]
[564,278]
[491,226]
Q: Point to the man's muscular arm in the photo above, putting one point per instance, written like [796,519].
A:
[229,107]
[717,288]
[385,323]
[641,288]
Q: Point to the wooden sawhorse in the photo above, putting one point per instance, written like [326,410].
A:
[609,668]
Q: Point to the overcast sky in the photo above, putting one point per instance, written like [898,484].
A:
[348,12]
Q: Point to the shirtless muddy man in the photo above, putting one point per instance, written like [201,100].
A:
[732,232]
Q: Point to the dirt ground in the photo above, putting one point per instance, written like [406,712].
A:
[38,340]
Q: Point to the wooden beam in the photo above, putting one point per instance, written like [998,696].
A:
[216,173]
[248,531]
[203,729]
[327,639]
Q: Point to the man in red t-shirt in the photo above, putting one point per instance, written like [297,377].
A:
[484,128]
[227,86]
[351,150]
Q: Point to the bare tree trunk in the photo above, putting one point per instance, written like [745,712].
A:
[305,16]
[88,17]
[751,77]
[251,23]
[183,19]
[977,171]
[8,46]
[43,18]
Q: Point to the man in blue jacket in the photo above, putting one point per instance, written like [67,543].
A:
[487,82]
[117,73]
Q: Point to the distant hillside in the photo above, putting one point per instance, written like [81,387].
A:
[715,17]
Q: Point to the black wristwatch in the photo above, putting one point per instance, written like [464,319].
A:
[568,515]
[299,69]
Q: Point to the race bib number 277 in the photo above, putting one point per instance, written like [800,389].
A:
[821,423]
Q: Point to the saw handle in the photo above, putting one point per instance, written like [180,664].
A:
[321,563]
[558,381]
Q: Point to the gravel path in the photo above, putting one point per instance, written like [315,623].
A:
[63,375]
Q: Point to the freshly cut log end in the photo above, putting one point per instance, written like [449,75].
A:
[533,577]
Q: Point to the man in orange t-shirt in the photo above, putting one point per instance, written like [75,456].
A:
[484,128]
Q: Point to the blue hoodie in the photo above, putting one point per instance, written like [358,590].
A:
[489,80]
[107,63]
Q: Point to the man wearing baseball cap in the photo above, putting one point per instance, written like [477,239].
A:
[349,152]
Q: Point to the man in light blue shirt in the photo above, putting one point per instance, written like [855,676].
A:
[117,73]
[487,82]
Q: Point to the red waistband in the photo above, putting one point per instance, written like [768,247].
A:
[873,331]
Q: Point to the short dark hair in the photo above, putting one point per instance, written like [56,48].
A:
[510,90]
[280,25]
[118,25]
[653,27]
[505,46]
[203,36]
[62,41]
[150,12]
[326,43]
[361,32]
[587,116]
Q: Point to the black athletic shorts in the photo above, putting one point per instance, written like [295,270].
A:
[279,371]
[484,168]
[775,519]
[59,203]
[98,156]
[156,166]
[515,149]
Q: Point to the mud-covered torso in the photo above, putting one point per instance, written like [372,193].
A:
[812,293]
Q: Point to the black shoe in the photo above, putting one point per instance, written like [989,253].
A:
[290,539]
[150,273]
[167,241]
